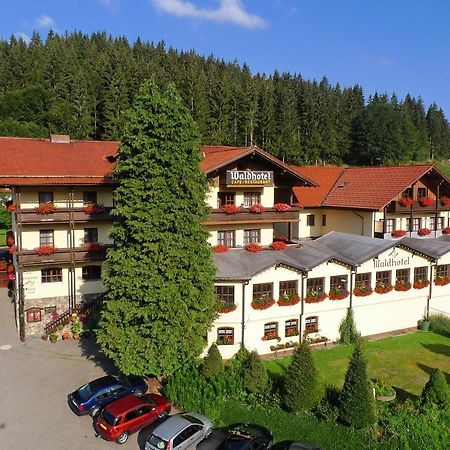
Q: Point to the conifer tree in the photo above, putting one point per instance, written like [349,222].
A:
[301,385]
[256,378]
[436,392]
[356,403]
[212,363]
[348,334]
[160,301]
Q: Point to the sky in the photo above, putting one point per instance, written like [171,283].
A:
[400,46]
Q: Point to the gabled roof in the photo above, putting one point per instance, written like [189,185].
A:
[434,248]
[373,187]
[324,177]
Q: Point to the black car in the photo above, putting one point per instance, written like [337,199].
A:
[93,396]
[247,436]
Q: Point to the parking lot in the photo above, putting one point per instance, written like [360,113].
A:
[35,378]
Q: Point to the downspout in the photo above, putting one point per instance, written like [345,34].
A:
[17,258]
[352,275]
[243,314]
[362,221]
[302,304]
[430,290]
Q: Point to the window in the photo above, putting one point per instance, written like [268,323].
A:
[252,237]
[225,198]
[390,225]
[90,197]
[420,274]
[402,276]
[310,220]
[92,272]
[263,291]
[312,324]
[441,272]
[53,275]
[34,315]
[416,224]
[225,294]
[46,237]
[440,223]
[45,197]
[315,286]
[383,278]
[432,221]
[421,192]
[339,283]
[225,336]
[131,415]
[288,288]
[407,193]
[251,198]
[271,330]
[226,237]
[324,220]
[49,309]
[90,235]
[291,328]
[362,280]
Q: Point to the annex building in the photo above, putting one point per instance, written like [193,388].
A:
[275,282]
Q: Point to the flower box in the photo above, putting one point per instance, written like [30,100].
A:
[426,201]
[446,230]
[362,291]
[278,245]
[405,201]
[45,208]
[224,308]
[260,303]
[445,201]
[441,281]
[281,239]
[281,207]
[270,335]
[291,332]
[94,247]
[93,208]
[230,209]
[402,286]
[12,249]
[257,209]
[420,284]
[225,340]
[220,248]
[290,344]
[45,250]
[382,288]
[337,294]
[398,233]
[10,269]
[11,207]
[424,232]
[288,300]
[253,248]
[315,298]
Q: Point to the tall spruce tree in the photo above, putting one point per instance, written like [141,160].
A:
[356,403]
[160,301]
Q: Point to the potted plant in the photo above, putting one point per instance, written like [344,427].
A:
[402,286]
[45,250]
[441,280]
[425,324]
[281,207]
[257,209]
[383,288]
[315,297]
[288,300]
[270,335]
[93,208]
[53,337]
[230,209]
[362,291]
[278,245]
[262,303]
[424,232]
[426,201]
[44,337]
[226,307]
[405,201]
[253,248]
[398,233]
[445,201]
[337,294]
[220,248]
[45,208]
[66,336]
[420,284]
[76,329]
[446,230]
[384,392]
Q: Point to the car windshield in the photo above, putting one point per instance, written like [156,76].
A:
[85,392]
[192,419]
[157,442]
[109,418]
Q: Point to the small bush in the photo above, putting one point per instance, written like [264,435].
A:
[436,392]
[255,374]
[348,334]
[213,362]
[440,324]
[327,409]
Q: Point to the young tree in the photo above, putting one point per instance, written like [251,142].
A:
[301,385]
[212,363]
[348,334]
[160,300]
[256,378]
[356,403]
[436,392]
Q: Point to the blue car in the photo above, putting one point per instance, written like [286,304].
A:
[93,396]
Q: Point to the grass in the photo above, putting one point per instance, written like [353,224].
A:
[2,237]
[406,361]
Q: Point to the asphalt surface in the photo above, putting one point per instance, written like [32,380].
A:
[35,378]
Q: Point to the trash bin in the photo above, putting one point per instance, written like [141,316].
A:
[425,325]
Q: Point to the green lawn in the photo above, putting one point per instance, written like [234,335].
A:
[2,238]
[403,361]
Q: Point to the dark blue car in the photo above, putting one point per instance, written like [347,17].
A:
[93,396]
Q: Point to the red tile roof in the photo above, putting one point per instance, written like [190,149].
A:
[218,156]
[324,177]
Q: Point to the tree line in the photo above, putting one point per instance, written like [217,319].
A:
[82,84]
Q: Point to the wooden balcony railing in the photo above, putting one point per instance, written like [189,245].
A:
[396,207]
[61,256]
[62,215]
[217,216]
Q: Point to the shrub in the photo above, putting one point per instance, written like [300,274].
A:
[348,334]
[327,409]
[212,363]
[301,384]
[256,378]
[440,324]
[436,392]
[357,406]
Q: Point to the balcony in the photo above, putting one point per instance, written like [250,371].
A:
[62,215]
[396,207]
[61,256]
[271,215]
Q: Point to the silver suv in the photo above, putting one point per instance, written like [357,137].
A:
[180,432]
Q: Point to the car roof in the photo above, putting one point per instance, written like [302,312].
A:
[103,382]
[170,427]
[248,430]
[126,403]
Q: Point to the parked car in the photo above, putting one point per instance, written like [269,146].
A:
[183,431]
[130,414]
[93,396]
[247,436]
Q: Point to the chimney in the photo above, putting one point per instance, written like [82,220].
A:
[60,139]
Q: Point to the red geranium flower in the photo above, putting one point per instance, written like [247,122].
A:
[281,207]
[220,248]
[278,245]
[45,250]
[257,209]
[230,209]
[253,248]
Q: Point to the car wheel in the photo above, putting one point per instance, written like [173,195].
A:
[123,438]
[163,414]
[208,433]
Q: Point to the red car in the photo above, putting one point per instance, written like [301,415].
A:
[130,414]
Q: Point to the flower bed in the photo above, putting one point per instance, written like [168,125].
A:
[261,303]
[315,298]
[426,201]
[220,248]
[424,232]
[398,233]
[362,291]
[278,245]
[288,300]
[45,250]
[253,248]
[420,284]
[224,308]
[402,286]
[257,209]
[281,207]
[270,335]
[93,208]
[94,247]
[441,281]
[45,208]
[289,344]
[337,294]
[230,209]
[405,201]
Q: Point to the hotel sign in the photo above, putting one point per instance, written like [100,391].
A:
[249,178]
[392,260]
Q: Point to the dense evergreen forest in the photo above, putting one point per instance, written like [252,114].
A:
[80,85]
